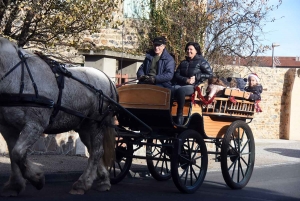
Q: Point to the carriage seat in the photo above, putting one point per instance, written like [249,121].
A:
[188,101]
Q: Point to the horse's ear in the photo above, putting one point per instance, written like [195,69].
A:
[245,79]
[229,79]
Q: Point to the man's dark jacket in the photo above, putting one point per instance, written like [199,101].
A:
[165,68]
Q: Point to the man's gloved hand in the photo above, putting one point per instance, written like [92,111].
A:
[150,80]
[143,78]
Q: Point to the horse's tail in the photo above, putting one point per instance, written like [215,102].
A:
[109,142]
[110,132]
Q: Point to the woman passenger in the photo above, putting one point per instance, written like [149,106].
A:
[190,73]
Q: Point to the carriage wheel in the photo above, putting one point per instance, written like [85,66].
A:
[189,161]
[160,167]
[237,155]
[121,165]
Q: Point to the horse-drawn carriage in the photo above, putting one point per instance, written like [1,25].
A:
[180,152]
[39,96]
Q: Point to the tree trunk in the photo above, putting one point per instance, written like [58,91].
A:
[25,30]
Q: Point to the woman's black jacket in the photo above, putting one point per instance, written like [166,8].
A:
[197,67]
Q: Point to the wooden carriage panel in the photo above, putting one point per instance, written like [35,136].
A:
[186,108]
[216,127]
[197,107]
[144,96]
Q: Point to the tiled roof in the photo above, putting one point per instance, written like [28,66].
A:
[264,61]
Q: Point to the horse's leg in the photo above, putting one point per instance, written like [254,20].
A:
[92,137]
[103,181]
[28,136]
[16,183]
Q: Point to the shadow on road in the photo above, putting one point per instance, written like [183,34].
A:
[285,152]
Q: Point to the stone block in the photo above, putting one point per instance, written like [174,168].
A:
[39,146]
[3,146]
[52,146]
[80,148]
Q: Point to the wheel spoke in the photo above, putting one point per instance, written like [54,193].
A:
[233,169]
[238,171]
[166,163]
[241,169]
[160,154]
[162,165]
[186,175]
[196,151]
[239,147]
[244,161]
[184,172]
[233,148]
[194,173]
[246,143]
[234,162]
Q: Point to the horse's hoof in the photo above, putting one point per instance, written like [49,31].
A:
[12,189]
[9,193]
[38,183]
[76,192]
[103,187]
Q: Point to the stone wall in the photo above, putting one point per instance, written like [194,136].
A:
[273,122]
[122,37]
[67,143]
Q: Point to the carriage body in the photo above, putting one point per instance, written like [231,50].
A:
[152,125]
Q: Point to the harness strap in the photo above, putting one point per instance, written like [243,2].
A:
[25,100]
[22,79]
[11,70]
[24,61]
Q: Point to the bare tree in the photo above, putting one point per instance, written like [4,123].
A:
[222,27]
[54,22]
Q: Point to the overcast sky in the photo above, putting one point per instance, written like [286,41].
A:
[284,31]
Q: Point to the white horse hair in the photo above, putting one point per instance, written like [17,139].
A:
[21,126]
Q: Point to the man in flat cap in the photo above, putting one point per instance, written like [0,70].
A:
[158,66]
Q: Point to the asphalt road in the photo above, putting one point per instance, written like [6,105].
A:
[279,182]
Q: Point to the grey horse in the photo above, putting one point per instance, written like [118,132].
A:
[21,125]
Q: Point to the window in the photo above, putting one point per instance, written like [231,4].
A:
[136,9]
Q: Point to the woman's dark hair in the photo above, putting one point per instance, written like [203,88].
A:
[196,46]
